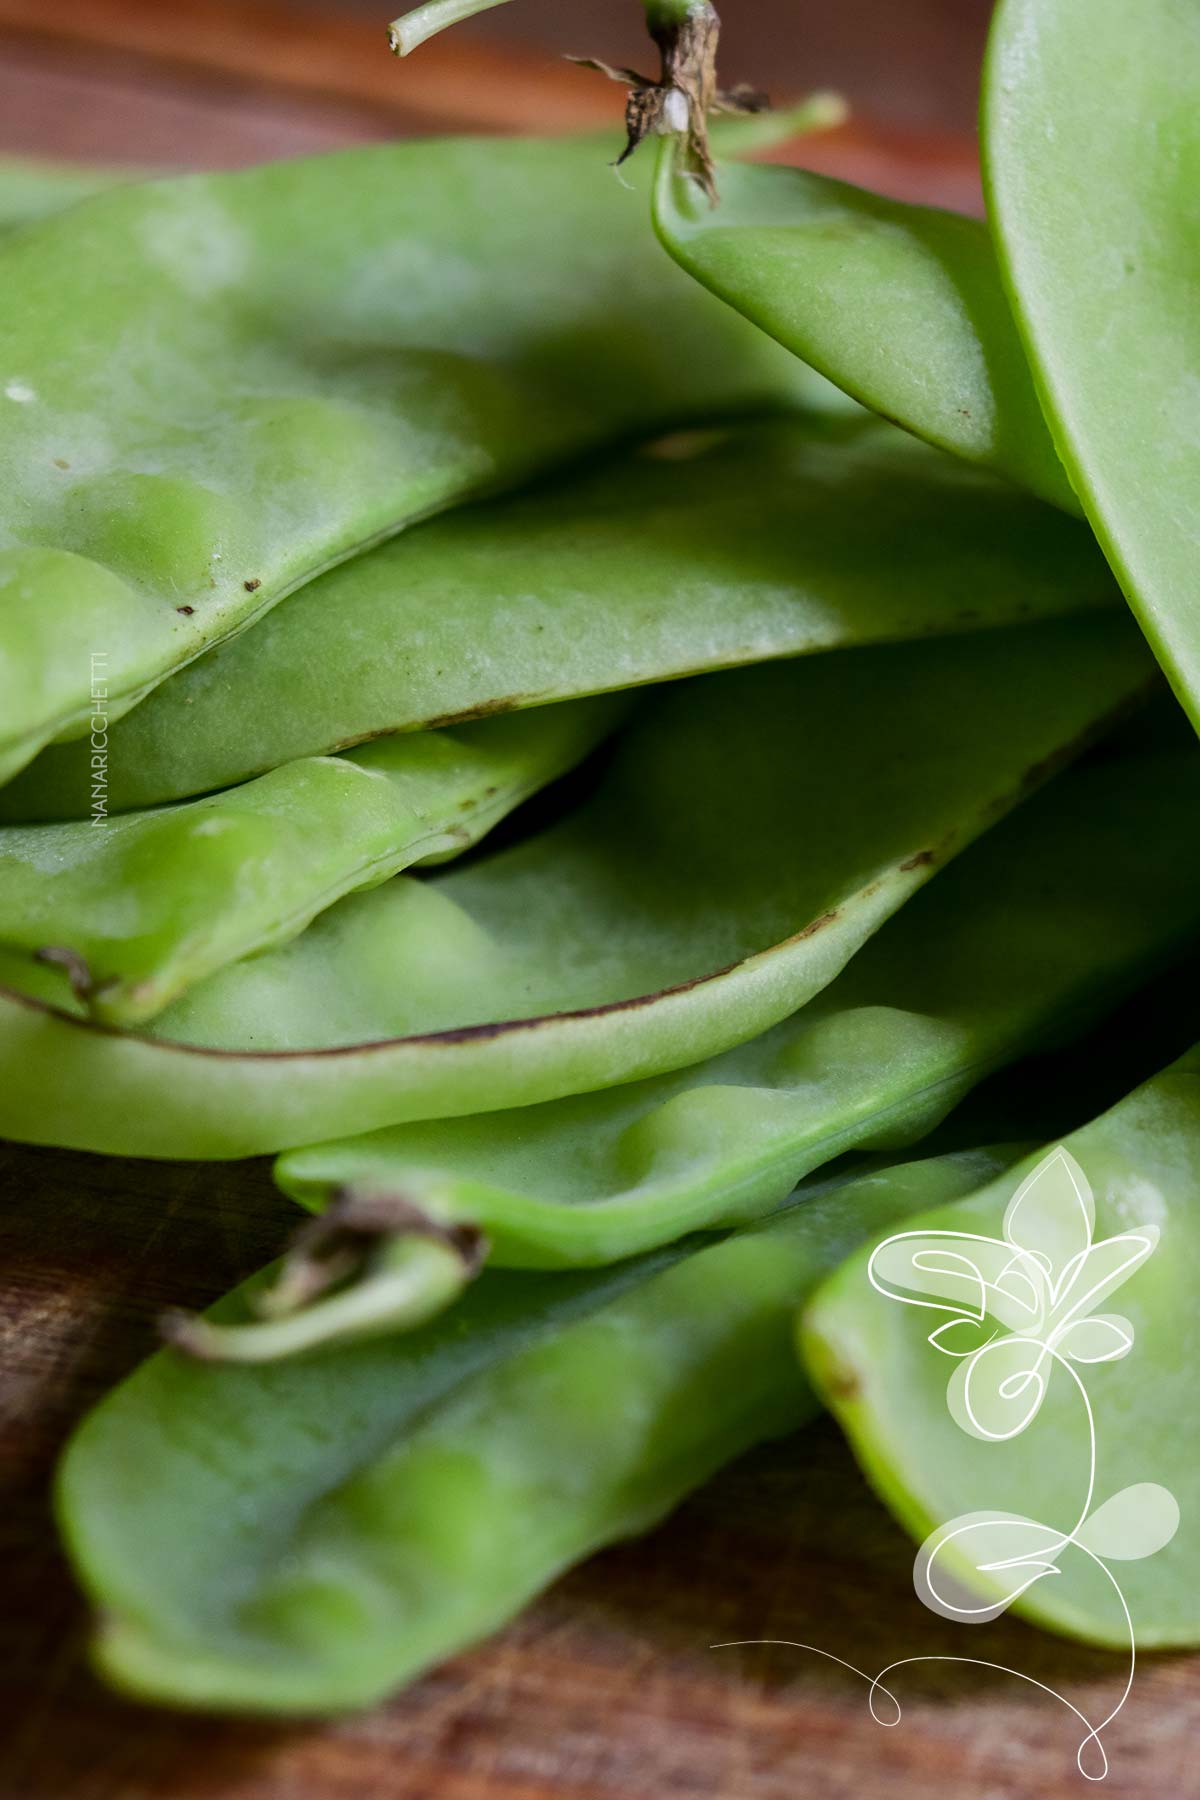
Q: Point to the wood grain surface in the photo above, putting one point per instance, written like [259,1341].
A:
[607,1688]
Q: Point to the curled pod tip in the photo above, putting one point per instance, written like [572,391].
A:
[369,1264]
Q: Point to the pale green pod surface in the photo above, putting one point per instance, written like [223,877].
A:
[308,1536]
[30,188]
[1091,136]
[902,306]
[1044,921]
[1109,1329]
[749,834]
[702,550]
[138,908]
[212,388]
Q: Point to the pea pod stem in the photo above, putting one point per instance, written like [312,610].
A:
[414,28]
[661,15]
[676,103]
[347,1239]
[365,1266]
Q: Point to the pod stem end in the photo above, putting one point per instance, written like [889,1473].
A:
[371,1263]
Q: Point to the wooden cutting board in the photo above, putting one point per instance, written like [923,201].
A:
[607,1689]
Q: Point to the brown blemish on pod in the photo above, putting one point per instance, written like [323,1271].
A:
[74,965]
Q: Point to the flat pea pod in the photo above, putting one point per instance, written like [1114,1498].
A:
[1091,137]
[214,387]
[751,831]
[308,1536]
[981,967]
[1112,1224]
[139,908]
[702,550]
[901,306]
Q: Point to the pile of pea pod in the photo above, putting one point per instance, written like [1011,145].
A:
[584,722]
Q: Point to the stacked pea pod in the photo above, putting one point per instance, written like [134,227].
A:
[716,630]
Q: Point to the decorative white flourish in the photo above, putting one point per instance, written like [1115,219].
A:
[1042,1280]
[1016,1307]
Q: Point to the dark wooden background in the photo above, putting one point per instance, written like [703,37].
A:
[605,1690]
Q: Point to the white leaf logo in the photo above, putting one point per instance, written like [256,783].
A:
[1042,1281]
[975,1567]
[1138,1521]
[1013,1308]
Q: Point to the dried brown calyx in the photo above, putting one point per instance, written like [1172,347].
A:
[685,92]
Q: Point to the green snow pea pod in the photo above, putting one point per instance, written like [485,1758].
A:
[308,1536]
[900,305]
[750,832]
[31,188]
[1044,920]
[1091,135]
[214,387]
[139,908]
[764,540]
[1093,1359]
